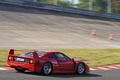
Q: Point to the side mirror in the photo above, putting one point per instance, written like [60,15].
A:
[72,59]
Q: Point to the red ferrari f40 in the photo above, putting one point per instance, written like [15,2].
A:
[46,62]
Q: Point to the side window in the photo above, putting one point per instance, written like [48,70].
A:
[67,58]
[61,56]
[52,56]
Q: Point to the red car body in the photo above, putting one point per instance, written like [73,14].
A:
[35,63]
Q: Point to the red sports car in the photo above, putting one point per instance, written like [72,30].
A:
[46,62]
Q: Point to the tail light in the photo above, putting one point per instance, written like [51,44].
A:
[10,58]
[31,61]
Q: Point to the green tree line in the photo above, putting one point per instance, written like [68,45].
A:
[98,5]
[59,2]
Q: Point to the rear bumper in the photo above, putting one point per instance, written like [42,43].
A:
[29,67]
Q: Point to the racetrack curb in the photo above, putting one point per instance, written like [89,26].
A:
[113,67]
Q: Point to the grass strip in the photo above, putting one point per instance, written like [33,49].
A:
[93,57]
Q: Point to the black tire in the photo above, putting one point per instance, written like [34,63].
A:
[20,70]
[47,68]
[80,69]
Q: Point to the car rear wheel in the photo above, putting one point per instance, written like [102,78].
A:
[47,68]
[19,70]
[80,68]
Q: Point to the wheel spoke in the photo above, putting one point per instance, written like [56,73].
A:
[47,68]
[81,69]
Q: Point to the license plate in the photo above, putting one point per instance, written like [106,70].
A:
[20,59]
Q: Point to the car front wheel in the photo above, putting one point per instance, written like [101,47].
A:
[80,68]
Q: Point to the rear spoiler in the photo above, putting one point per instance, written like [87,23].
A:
[11,52]
[35,55]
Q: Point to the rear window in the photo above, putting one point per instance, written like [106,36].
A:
[39,52]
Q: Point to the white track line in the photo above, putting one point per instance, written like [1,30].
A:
[2,69]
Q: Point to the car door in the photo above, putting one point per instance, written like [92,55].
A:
[65,64]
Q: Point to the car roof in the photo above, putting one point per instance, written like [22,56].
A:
[47,51]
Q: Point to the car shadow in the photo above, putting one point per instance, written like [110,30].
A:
[62,75]
[73,75]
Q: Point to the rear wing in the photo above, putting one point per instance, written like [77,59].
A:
[12,53]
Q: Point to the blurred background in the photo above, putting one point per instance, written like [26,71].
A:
[109,6]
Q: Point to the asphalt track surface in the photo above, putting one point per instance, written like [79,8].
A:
[26,28]
[94,75]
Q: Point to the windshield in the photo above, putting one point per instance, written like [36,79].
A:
[39,52]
